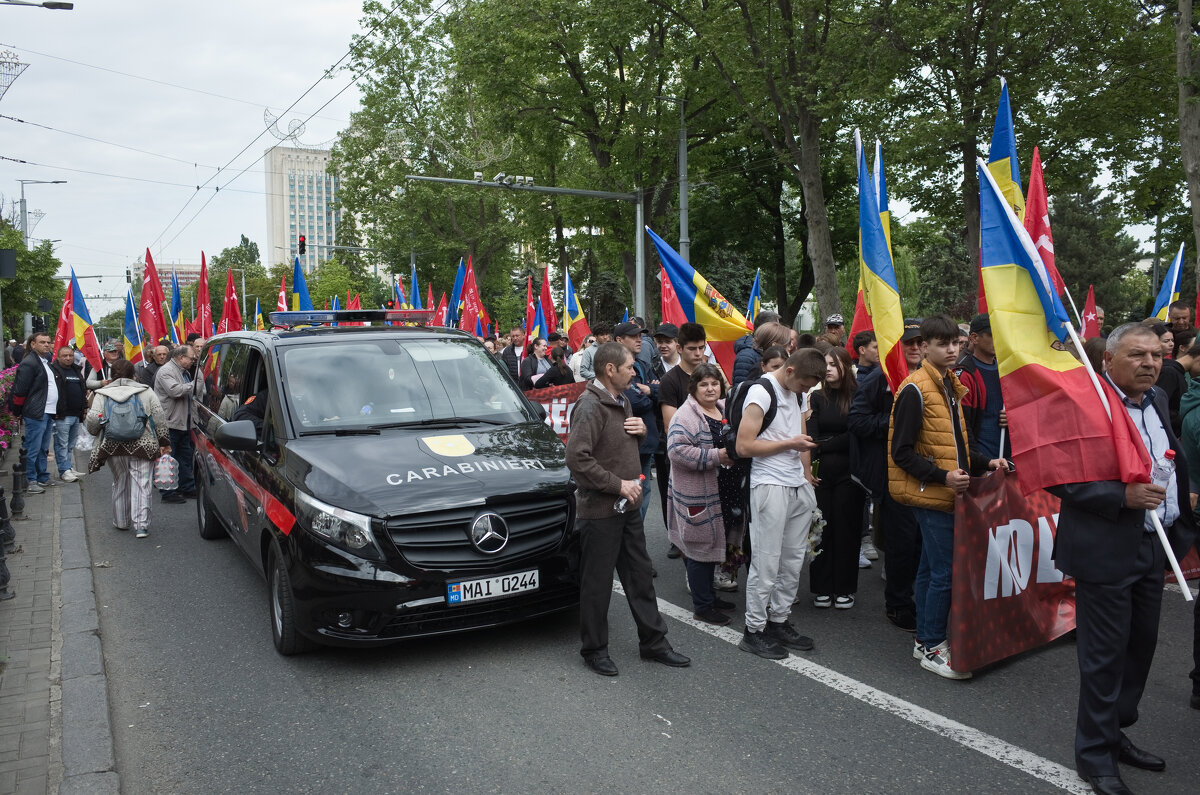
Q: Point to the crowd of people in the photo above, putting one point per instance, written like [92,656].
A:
[808,453]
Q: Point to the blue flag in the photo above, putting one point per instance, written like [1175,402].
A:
[300,299]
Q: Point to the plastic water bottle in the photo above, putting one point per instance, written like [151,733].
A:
[1163,469]
[622,505]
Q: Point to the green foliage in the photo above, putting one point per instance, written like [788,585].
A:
[36,269]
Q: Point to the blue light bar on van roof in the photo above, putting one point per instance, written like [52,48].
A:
[317,317]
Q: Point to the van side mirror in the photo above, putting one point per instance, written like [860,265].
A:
[540,409]
[237,435]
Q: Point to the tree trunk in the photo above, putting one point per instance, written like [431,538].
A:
[816,215]
[1187,67]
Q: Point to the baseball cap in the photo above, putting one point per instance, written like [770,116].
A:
[668,330]
[835,320]
[627,329]
[112,345]
[912,329]
[981,323]
[554,337]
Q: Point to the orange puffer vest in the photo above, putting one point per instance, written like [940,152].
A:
[935,442]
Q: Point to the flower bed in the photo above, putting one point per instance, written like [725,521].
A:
[10,424]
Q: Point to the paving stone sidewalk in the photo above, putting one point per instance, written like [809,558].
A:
[55,735]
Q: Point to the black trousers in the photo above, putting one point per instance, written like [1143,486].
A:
[616,542]
[662,474]
[902,554]
[835,571]
[1116,632]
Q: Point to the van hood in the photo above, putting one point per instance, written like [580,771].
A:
[428,469]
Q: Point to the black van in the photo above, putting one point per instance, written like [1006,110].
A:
[388,481]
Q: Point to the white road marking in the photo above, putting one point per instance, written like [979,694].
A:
[1174,586]
[1018,758]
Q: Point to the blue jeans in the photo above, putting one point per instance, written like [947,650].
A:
[65,431]
[931,590]
[37,448]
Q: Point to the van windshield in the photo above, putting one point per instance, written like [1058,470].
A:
[389,382]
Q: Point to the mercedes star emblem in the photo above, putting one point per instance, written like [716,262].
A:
[489,533]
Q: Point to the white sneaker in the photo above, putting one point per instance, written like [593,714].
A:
[863,563]
[868,549]
[844,602]
[918,650]
[69,476]
[144,532]
[822,601]
[724,581]
[937,659]
[77,473]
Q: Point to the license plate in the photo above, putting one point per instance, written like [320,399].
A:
[491,587]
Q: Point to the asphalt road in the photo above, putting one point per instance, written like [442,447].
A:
[201,703]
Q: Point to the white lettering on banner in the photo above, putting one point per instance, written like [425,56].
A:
[1010,557]
[510,464]
[558,415]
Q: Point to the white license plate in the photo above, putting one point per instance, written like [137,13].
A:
[491,587]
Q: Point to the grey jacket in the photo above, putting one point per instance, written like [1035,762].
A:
[174,387]
[154,437]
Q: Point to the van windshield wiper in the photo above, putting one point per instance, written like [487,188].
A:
[342,432]
[440,422]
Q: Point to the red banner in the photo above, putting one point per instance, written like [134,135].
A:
[558,401]
[1008,596]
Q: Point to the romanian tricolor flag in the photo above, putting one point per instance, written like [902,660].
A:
[398,294]
[453,308]
[881,295]
[862,318]
[175,311]
[300,297]
[573,320]
[755,301]
[1002,156]
[415,291]
[81,327]
[131,331]
[701,303]
[1061,432]
[258,318]
[539,325]
[1171,284]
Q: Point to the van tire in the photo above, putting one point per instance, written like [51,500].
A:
[206,517]
[282,604]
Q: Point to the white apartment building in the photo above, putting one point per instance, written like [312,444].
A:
[300,201]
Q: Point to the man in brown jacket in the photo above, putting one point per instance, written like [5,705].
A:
[602,454]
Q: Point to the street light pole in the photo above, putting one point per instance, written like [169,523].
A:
[27,327]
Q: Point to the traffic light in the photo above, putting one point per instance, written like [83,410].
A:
[302,245]
[390,303]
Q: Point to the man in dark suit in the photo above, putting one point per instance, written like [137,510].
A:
[1107,543]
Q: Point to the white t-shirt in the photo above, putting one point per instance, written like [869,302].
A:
[785,468]
[51,389]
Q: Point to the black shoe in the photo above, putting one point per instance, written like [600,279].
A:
[1130,754]
[723,604]
[6,594]
[712,616]
[904,619]
[785,634]
[601,665]
[174,498]
[669,657]
[653,572]
[758,643]
[1107,785]
[1195,700]
[190,494]
[673,553]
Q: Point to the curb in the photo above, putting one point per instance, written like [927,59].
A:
[87,742]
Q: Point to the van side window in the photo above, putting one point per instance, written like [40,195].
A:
[209,368]
[230,379]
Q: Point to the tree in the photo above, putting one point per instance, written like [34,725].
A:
[36,269]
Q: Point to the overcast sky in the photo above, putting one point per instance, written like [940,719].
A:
[255,55]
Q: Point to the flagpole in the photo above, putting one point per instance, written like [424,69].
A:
[1158,528]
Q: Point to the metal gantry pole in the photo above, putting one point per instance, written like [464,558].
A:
[685,242]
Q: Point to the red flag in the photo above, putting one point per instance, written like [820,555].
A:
[981,303]
[672,312]
[428,295]
[1091,321]
[548,310]
[66,321]
[472,304]
[231,312]
[281,301]
[439,316]
[1037,221]
[150,308]
[204,321]
[530,313]
[861,322]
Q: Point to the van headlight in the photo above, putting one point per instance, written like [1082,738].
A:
[346,529]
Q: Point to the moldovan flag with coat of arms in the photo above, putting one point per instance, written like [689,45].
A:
[74,323]
[878,277]
[573,320]
[1060,430]
[701,303]
[132,331]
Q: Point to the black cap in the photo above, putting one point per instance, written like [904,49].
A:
[912,329]
[554,337]
[981,323]
[668,330]
[627,329]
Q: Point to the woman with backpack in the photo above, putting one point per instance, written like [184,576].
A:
[131,436]
[833,577]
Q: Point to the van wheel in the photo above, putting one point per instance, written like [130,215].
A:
[206,518]
[283,608]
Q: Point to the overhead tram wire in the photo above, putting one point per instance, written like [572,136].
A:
[349,52]
[312,115]
[106,143]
